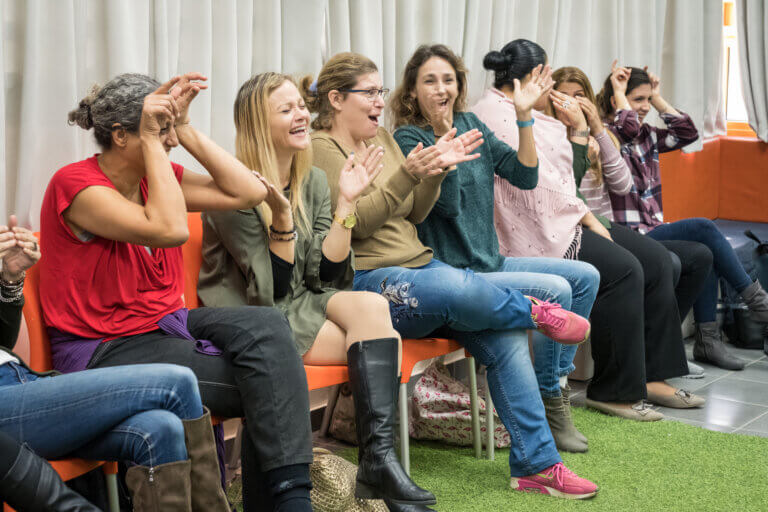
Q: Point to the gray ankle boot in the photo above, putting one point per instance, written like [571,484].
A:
[756,300]
[566,392]
[709,348]
[561,426]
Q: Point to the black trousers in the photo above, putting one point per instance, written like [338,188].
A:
[695,265]
[636,334]
[260,376]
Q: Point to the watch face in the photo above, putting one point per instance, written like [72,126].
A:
[350,221]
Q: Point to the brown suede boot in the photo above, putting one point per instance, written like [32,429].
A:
[207,494]
[566,392]
[163,488]
[561,426]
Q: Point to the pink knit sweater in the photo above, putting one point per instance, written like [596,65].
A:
[544,221]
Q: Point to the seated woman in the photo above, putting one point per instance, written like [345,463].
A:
[609,172]
[112,278]
[291,252]
[430,101]
[623,104]
[149,415]
[636,337]
[426,294]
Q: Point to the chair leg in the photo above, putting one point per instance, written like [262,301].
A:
[474,405]
[333,397]
[405,449]
[489,427]
[114,502]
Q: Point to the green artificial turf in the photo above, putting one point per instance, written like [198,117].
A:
[648,467]
[660,466]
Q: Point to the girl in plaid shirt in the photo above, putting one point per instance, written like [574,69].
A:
[628,95]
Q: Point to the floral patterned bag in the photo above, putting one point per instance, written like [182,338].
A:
[440,410]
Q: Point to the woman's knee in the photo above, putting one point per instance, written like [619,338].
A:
[161,435]
[587,276]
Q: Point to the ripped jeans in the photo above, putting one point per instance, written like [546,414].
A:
[438,295]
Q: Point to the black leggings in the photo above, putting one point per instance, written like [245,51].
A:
[9,452]
[260,376]
[636,335]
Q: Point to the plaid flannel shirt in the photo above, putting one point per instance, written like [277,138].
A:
[641,144]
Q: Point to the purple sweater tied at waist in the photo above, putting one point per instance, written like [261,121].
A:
[71,353]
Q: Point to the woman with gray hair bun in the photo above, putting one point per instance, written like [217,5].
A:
[112,281]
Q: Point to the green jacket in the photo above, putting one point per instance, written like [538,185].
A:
[237,269]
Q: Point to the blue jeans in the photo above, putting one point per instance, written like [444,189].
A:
[437,295]
[513,387]
[130,413]
[725,262]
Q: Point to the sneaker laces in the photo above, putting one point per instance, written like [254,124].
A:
[558,472]
[545,308]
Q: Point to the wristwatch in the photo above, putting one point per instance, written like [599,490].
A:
[580,133]
[348,222]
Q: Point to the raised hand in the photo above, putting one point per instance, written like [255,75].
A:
[527,95]
[184,91]
[655,83]
[568,110]
[455,150]
[19,249]
[358,174]
[160,109]
[619,77]
[592,115]
[282,215]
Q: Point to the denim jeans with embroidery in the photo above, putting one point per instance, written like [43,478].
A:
[485,312]
[128,413]
[437,295]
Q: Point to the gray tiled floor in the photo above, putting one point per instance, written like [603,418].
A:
[737,402]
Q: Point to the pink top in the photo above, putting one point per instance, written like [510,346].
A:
[544,221]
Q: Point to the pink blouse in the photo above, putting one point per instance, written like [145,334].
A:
[544,221]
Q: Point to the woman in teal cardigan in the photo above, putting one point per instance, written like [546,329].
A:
[292,253]
[460,229]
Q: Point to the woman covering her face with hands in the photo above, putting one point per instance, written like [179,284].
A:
[627,96]
[112,278]
[429,103]
[293,252]
[553,221]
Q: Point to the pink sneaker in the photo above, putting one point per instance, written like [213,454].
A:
[556,323]
[558,481]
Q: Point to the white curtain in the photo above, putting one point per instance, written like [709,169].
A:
[51,51]
[752,31]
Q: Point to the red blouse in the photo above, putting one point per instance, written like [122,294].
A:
[101,288]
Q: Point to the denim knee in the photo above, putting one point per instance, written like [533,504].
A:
[184,383]
[157,437]
[588,277]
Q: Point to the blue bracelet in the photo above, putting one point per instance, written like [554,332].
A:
[525,124]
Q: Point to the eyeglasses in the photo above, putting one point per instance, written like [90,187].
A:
[370,94]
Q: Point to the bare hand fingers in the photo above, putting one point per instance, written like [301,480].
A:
[167,86]
[471,147]
[416,150]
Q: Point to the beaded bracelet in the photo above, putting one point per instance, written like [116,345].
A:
[11,292]
[286,237]
[289,232]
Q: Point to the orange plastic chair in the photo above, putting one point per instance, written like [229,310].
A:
[40,361]
[192,250]
[415,350]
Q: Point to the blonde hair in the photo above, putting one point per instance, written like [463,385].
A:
[577,76]
[254,146]
[341,72]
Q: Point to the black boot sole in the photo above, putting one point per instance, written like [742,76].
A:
[369,492]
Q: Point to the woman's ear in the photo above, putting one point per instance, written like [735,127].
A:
[119,136]
[335,98]
[613,103]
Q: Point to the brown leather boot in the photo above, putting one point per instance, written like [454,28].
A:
[163,488]
[561,426]
[207,494]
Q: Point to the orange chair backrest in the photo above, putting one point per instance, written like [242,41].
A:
[39,344]
[193,259]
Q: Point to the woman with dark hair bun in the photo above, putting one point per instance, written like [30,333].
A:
[553,220]
[627,96]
